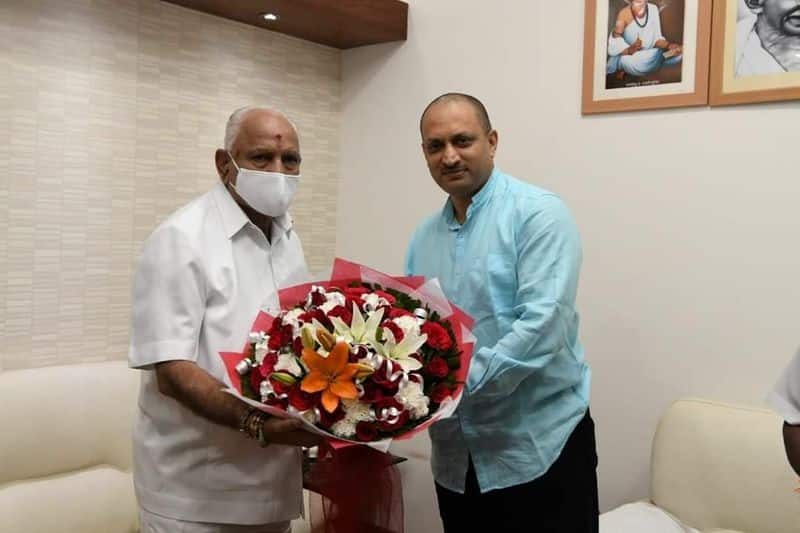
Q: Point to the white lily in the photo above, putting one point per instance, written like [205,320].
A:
[400,352]
[360,331]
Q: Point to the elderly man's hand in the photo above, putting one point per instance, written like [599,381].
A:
[288,432]
[635,47]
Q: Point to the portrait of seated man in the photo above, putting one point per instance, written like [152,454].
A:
[638,51]
[768,37]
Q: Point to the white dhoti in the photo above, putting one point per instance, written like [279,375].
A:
[649,58]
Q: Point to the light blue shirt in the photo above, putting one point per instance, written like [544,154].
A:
[513,266]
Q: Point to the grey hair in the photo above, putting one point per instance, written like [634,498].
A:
[234,124]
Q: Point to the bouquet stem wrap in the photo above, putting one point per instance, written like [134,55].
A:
[360,491]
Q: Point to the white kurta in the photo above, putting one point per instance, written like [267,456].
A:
[785,396]
[647,60]
[202,277]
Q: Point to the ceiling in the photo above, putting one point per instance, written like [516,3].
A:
[338,23]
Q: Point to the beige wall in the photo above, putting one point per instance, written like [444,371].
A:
[689,217]
[110,112]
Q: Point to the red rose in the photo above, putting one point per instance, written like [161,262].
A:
[361,353]
[366,431]
[302,400]
[393,424]
[386,296]
[343,313]
[437,367]
[387,421]
[438,338]
[384,377]
[326,419]
[372,393]
[396,312]
[395,329]
[440,393]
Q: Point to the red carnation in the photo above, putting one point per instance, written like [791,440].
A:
[317,298]
[297,346]
[255,381]
[438,338]
[280,336]
[280,388]
[355,292]
[395,329]
[396,312]
[440,393]
[302,400]
[386,296]
[437,367]
[366,431]
[343,313]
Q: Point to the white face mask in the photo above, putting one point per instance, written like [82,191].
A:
[269,193]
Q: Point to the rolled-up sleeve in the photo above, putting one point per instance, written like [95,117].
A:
[168,301]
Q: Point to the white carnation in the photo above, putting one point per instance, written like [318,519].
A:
[413,399]
[373,301]
[356,412]
[344,428]
[409,325]
[332,299]
[261,351]
[291,318]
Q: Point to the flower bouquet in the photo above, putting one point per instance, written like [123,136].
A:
[361,358]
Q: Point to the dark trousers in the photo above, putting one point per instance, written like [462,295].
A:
[563,500]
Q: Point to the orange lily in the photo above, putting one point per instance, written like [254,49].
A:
[332,375]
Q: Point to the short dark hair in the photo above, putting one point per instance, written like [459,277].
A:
[477,105]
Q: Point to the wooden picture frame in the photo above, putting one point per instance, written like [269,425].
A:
[617,82]
[742,70]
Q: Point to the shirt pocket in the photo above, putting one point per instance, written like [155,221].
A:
[493,279]
[502,279]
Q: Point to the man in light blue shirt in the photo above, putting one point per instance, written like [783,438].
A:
[519,454]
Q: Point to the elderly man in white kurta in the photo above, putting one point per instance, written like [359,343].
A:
[768,37]
[203,275]
[785,399]
[637,45]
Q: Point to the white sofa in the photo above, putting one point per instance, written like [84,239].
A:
[65,450]
[714,467]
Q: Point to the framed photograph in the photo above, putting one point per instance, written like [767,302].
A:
[645,54]
[756,51]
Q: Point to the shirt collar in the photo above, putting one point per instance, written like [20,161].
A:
[478,200]
[234,219]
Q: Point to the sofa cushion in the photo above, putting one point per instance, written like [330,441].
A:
[639,517]
[97,500]
[723,466]
[66,418]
